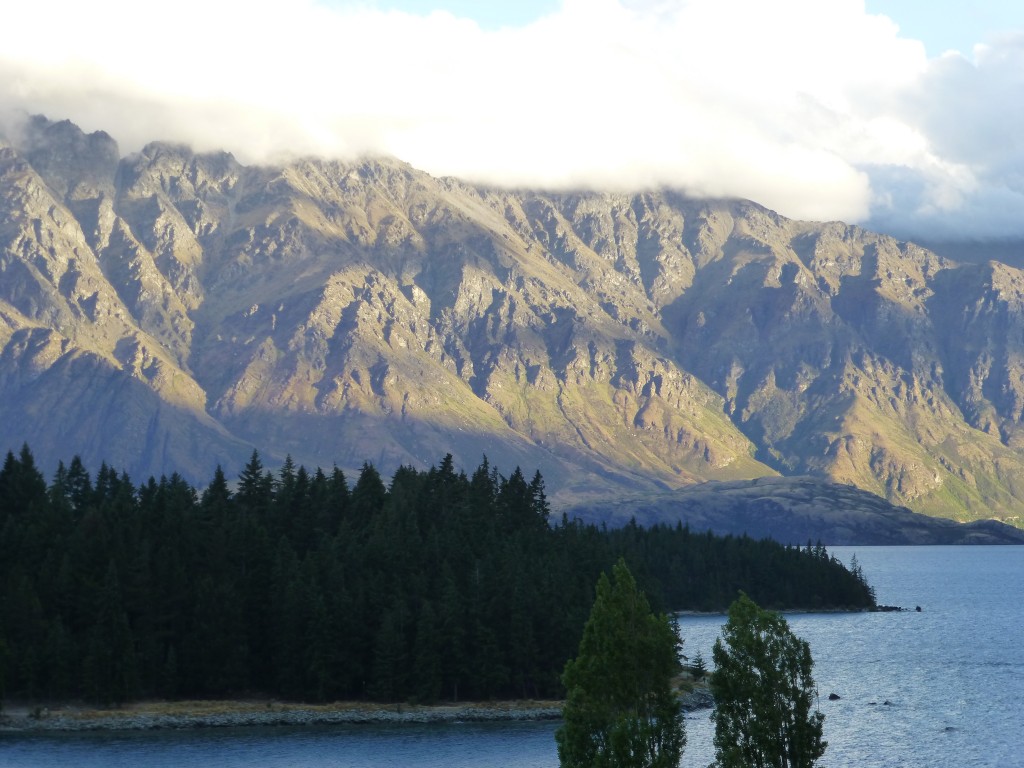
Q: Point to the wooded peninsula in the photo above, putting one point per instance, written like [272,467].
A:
[435,586]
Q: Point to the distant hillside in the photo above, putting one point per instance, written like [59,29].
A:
[168,311]
[793,510]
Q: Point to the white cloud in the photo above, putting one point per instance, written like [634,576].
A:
[818,110]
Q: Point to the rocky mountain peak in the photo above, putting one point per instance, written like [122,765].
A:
[75,165]
[168,311]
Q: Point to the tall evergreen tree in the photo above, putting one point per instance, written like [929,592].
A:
[255,487]
[427,655]
[22,485]
[110,671]
[390,658]
[79,484]
[620,711]
[217,492]
[367,498]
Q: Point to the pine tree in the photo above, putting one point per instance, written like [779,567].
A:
[79,484]
[367,497]
[255,487]
[700,667]
[390,660]
[110,670]
[427,655]
[620,711]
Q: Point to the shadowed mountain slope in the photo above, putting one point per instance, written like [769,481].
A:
[793,510]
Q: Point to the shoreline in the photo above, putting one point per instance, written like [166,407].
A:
[234,714]
[184,715]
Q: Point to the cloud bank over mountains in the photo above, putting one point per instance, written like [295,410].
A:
[818,110]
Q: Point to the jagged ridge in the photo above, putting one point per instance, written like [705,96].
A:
[170,310]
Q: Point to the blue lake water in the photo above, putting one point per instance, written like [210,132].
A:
[939,688]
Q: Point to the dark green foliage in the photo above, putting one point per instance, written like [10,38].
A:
[620,710]
[699,667]
[764,693]
[3,666]
[436,586]
[109,669]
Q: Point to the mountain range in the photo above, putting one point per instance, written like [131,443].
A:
[169,311]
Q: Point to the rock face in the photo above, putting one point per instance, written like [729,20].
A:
[168,311]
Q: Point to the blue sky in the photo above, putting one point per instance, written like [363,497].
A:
[819,109]
[940,24]
[490,15]
[951,24]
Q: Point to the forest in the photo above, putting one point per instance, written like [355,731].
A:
[435,585]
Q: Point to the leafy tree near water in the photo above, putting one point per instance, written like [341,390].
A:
[764,693]
[620,710]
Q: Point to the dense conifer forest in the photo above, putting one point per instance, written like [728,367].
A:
[436,585]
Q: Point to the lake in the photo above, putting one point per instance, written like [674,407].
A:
[943,687]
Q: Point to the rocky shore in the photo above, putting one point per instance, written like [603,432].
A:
[234,714]
[231,714]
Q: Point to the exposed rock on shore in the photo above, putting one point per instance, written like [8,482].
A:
[698,698]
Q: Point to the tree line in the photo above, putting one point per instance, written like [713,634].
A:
[435,585]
